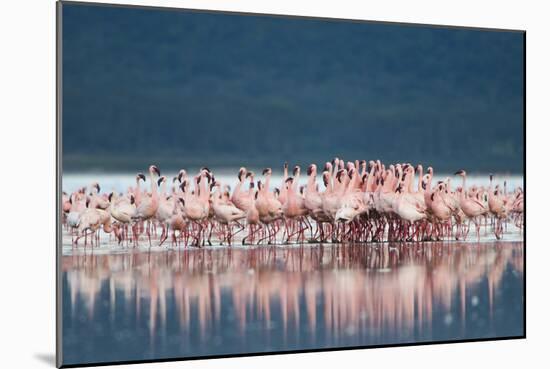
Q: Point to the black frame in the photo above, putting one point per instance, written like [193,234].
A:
[59,172]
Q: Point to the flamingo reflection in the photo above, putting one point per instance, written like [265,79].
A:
[347,290]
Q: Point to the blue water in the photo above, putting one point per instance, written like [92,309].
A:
[153,305]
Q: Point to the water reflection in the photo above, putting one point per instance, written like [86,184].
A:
[205,302]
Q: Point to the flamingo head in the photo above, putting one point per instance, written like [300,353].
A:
[154,169]
[161,180]
[460,172]
[140,176]
[289,181]
[312,168]
[296,171]
[326,175]
[251,175]
[266,171]
[348,212]
[339,175]
[242,172]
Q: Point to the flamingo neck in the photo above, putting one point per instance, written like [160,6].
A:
[311,181]
[420,174]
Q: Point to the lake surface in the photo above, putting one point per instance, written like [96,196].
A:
[139,305]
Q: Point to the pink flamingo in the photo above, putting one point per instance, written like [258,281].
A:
[149,204]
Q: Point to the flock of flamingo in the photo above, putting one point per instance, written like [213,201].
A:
[361,202]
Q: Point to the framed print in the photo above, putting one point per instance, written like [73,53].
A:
[248,184]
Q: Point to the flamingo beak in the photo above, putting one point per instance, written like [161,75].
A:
[160,180]
[459,172]
[97,187]
[309,170]
[156,170]
[110,196]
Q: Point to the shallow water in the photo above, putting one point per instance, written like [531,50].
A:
[120,182]
[137,305]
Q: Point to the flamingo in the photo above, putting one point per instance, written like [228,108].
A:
[123,210]
[472,207]
[148,206]
[165,209]
[225,213]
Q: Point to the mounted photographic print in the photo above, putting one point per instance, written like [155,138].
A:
[243,184]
